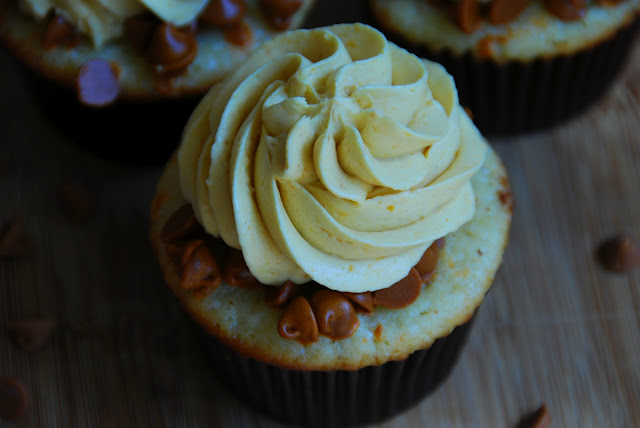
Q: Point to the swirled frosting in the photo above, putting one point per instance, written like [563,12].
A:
[331,154]
[103,20]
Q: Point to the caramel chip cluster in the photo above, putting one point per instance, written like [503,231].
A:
[470,14]
[307,311]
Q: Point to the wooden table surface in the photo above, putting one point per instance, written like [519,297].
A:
[556,329]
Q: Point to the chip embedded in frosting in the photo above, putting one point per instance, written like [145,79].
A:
[331,155]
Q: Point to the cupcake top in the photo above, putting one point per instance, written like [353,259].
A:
[150,48]
[331,155]
[506,30]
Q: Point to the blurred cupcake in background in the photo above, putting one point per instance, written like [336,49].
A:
[520,65]
[108,73]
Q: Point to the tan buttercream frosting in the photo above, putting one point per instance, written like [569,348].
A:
[103,20]
[331,154]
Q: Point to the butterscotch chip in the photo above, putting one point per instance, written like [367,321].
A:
[503,11]
[468,16]
[175,250]
[180,225]
[171,49]
[13,398]
[237,273]
[429,260]
[279,12]
[200,267]
[78,201]
[619,254]
[238,34]
[298,322]
[223,12]
[334,313]
[567,10]
[97,83]
[60,32]
[278,296]
[31,334]
[538,419]
[362,302]
[402,293]
[187,249]
[13,239]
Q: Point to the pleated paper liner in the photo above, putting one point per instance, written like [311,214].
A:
[518,97]
[337,398]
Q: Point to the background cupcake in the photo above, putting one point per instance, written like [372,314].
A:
[306,245]
[519,65]
[115,73]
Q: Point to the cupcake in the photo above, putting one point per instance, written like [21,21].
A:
[519,65]
[134,69]
[331,221]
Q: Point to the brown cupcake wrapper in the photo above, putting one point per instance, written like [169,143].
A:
[337,398]
[517,97]
[141,132]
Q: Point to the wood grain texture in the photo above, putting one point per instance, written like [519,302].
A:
[555,329]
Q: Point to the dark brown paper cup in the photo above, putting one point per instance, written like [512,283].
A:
[139,132]
[337,398]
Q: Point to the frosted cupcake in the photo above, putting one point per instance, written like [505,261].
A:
[332,220]
[519,65]
[134,65]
